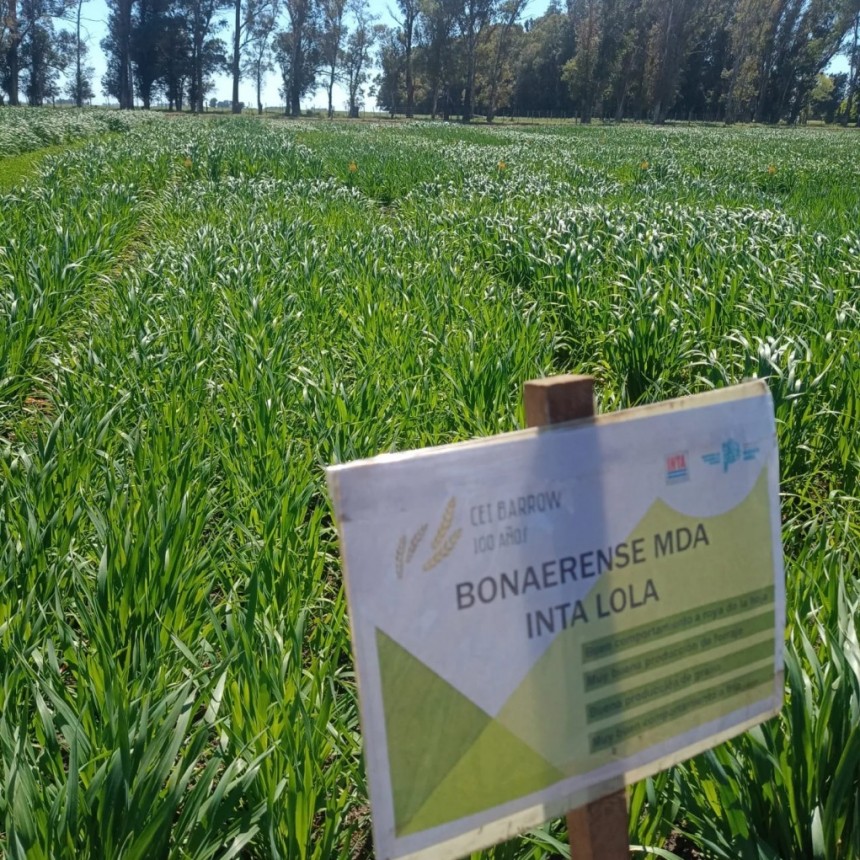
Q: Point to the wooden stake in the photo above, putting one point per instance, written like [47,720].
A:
[598,830]
[557,399]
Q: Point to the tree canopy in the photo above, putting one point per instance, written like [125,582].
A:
[723,60]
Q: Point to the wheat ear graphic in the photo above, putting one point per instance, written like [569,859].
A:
[447,519]
[416,540]
[444,550]
[399,557]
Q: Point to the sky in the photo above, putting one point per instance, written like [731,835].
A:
[96,12]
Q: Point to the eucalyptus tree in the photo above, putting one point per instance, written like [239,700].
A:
[168,43]
[297,51]
[580,72]
[806,36]
[44,53]
[175,58]
[674,23]
[258,59]
[627,71]
[245,32]
[148,23]
[10,60]
[390,93]
[852,51]
[208,52]
[80,87]
[547,44]
[750,30]
[435,30]
[356,58]
[472,18]
[12,32]
[408,11]
[509,14]
[118,78]
[26,26]
[331,44]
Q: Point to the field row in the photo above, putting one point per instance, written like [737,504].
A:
[24,130]
[217,310]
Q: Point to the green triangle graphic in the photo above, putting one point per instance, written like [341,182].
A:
[497,768]
[429,726]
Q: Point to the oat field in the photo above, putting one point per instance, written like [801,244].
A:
[197,315]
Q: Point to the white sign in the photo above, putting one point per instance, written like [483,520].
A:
[541,615]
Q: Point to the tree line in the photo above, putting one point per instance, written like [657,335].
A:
[725,60]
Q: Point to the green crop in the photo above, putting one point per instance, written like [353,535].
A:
[196,317]
[27,131]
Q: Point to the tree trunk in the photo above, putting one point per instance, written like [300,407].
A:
[297,61]
[13,65]
[436,75]
[410,82]
[497,62]
[126,97]
[79,88]
[470,80]
[197,104]
[674,38]
[13,60]
[853,72]
[259,90]
[237,51]
[494,80]
[658,115]
[587,109]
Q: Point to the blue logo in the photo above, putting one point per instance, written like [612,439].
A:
[731,451]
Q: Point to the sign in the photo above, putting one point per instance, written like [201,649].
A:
[540,616]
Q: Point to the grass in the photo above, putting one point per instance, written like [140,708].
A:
[16,169]
[24,130]
[196,317]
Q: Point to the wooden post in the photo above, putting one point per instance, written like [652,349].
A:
[557,399]
[598,830]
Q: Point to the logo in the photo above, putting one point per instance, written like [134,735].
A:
[676,468]
[441,546]
[731,451]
